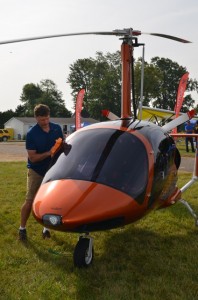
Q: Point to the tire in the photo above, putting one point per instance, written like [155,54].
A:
[4,138]
[80,257]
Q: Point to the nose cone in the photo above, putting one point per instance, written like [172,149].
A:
[84,206]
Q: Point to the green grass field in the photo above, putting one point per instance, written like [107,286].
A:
[155,258]
[180,142]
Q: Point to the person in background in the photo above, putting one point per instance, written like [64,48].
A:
[196,131]
[41,142]
[189,129]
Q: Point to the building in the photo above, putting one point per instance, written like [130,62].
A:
[21,125]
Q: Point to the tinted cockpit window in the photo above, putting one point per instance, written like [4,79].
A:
[107,156]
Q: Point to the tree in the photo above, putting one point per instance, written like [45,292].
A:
[46,93]
[100,78]
[170,74]
[152,80]
[30,96]
[5,116]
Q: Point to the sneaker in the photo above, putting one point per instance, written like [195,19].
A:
[22,235]
[46,234]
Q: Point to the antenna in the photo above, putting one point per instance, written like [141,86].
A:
[142,83]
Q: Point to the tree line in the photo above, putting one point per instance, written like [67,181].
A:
[101,79]
[45,92]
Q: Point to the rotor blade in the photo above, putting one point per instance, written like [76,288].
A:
[170,37]
[128,32]
[57,35]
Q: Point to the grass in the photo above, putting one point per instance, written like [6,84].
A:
[180,142]
[155,258]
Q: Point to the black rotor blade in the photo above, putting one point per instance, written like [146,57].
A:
[128,33]
[170,37]
[57,35]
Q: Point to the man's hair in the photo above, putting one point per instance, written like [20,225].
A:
[41,110]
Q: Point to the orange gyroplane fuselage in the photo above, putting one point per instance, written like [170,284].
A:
[110,174]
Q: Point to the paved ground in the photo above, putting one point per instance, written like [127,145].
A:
[187,164]
[15,151]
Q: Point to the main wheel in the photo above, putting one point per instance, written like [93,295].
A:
[82,256]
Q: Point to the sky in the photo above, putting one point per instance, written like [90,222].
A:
[31,62]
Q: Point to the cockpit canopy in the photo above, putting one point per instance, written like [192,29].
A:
[103,155]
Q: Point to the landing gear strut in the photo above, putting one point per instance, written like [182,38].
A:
[187,205]
[84,252]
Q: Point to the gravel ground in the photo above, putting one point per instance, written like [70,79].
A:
[13,151]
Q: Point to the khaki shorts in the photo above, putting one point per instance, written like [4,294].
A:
[33,183]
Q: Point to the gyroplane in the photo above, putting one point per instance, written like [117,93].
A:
[112,173]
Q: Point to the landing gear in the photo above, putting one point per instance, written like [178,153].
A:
[84,252]
[187,205]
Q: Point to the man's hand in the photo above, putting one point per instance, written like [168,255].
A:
[56,146]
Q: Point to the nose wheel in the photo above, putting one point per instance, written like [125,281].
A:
[83,252]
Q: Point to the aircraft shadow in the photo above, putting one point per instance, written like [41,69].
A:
[130,255]
[135,255]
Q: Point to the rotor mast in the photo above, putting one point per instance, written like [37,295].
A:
[127,90]
[126,59]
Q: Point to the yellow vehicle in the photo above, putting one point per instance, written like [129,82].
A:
[10,132]
[4,135]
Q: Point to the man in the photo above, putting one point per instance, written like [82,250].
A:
[189,129]
[196,131]
[40,143]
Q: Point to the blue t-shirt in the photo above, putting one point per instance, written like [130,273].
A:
[41,141]
[189,128]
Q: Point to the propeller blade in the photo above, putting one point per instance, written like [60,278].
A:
[179,120]
[170,37]
[57,35]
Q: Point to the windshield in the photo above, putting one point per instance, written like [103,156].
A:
[107,156]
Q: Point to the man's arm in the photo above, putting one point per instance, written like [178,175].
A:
[36,157]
